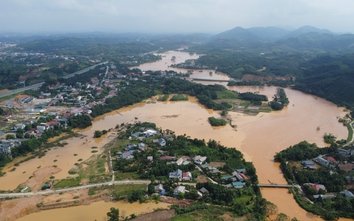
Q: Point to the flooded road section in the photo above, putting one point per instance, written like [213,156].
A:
[258,137]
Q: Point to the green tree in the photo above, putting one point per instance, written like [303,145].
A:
[113,214]
[97,134]
[10,136]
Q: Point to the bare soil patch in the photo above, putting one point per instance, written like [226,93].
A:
[4,91]
[202,179]
[217,164]
[162,215]
[16,208]
[13,209]
[171,200]
[41,176]
[228,217]
[346,167]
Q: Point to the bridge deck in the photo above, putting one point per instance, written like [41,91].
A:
[274,185]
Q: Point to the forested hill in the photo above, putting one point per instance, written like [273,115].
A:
[320,60]
[272,39]
[131,43]
[331,78]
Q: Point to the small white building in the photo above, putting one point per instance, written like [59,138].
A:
[162,142]
[199,159]
[150,133]
[179,189]
[179,161]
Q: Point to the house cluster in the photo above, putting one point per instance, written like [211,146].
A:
[180,175]
[7,145]
[182,189]
[28,131]
[130,149]
[325,161]
[211,169]
[31,58]
[330,163]
[346,152]
[79,95]
[236,179]
[179,189]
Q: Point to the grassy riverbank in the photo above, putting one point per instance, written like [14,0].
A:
[350,132]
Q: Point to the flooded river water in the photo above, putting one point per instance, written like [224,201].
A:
[258,137]
[94,211]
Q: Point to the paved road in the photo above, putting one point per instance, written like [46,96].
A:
[38,85]
[84,70]
[45,192]
[213,181]
[122,182]
[34,86]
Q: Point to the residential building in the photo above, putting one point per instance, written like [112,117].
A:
[159,189]
[186,176]
[141,146]
[167,158]
[308,164]
[315,186]
[179,161]
[179,189]
[127,155]
[176,174]
[203,191]
[5,148]
[323,162]
[162,142]
[331,160]
[238,185]
[150,132]
[238,176]
[199,159]
[347,194]
[242,170]
[345,153]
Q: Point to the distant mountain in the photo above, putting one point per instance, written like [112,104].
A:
[263,34]
[318,42]
[269,33]
[239,34]
[306,30]
[306,38]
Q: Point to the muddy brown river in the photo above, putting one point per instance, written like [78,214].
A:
[258,137]
[95,211]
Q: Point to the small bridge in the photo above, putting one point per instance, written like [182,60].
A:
[275,185]
[208,79]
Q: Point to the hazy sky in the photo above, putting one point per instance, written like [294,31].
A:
[172,16]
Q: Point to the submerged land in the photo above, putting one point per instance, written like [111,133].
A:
[73,133]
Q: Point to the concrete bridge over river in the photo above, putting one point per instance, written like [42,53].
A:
[212,80]
[275,185]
